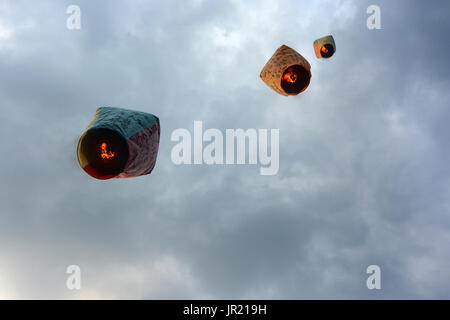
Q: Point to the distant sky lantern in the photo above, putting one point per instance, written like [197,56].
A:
[324,47]
[287,72]
[119,143]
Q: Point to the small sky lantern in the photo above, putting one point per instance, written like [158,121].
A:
[119,143]
[324,47]
[287,72]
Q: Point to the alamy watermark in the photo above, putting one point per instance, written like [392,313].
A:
[374,20]
[234,150]
[73,22]
[73,281]
[374,280]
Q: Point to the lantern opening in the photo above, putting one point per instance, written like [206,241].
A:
[105,151]
[327,50]
[295,79]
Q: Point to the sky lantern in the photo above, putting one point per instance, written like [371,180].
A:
[287,72]
[324,47]
[119,143]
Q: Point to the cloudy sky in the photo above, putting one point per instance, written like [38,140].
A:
[364,159]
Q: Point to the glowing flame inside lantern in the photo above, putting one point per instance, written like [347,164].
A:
[105,153]
[324,49]
[290,75]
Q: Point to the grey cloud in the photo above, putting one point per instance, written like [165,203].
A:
[363,173]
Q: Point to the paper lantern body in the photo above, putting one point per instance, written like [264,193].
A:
[119,143]
[324,47]
[287,72]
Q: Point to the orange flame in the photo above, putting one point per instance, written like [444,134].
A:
[106,154]
[324,49]
[290,75]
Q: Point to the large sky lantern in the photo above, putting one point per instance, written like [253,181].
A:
[119,143]
[287,72]
[324,47]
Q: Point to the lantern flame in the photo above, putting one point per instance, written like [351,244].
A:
[290,75]
[324,49]
[105,153]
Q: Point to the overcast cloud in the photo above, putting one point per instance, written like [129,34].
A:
[364,157]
